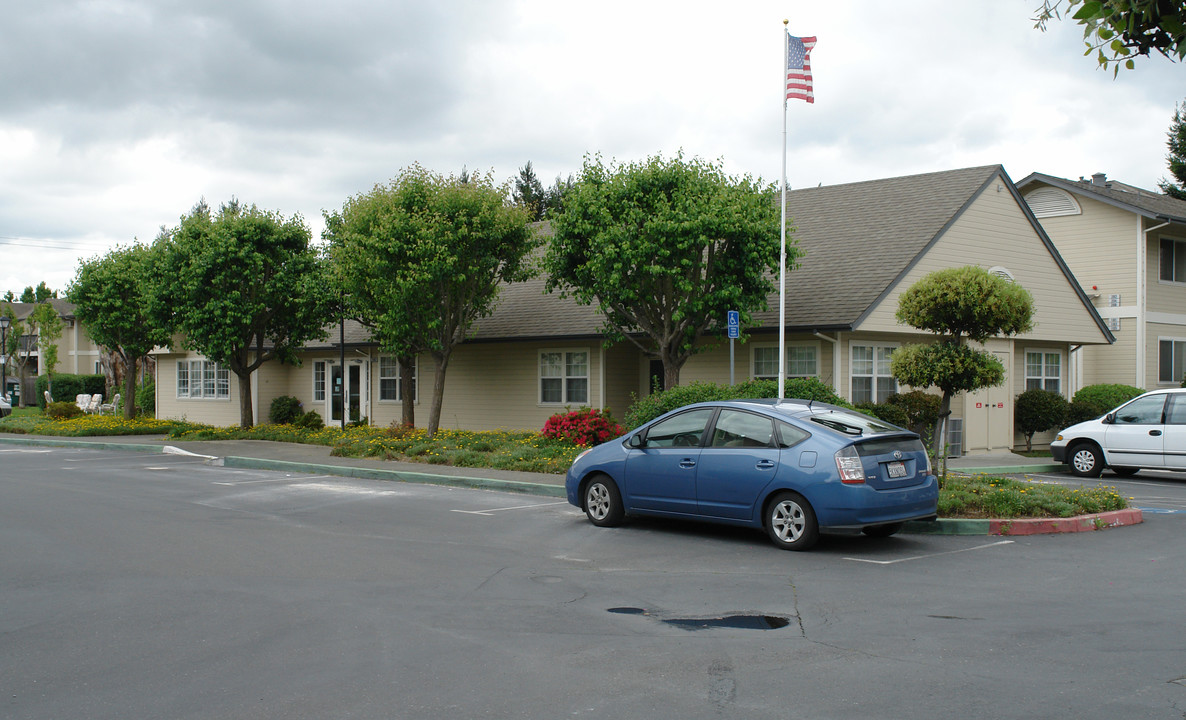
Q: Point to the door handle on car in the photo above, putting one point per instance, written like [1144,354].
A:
[687,463]
[1154,433]
[765,464]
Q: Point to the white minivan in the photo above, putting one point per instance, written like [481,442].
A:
[1148,431]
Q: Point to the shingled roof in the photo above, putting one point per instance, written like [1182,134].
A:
[1147,203]
[856,240]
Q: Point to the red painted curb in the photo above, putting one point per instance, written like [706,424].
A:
[1079,523]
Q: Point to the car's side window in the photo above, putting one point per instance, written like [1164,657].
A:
[790,436]
[735,428]
[1142,411]
[683,430]
[1176,414]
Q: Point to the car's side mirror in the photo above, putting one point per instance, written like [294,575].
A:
[1110,418]
[635,441]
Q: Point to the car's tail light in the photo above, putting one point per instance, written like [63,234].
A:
[852,472]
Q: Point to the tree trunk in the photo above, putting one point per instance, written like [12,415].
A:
[941,435]
[129,397]
[406,367]
[440,361]
[246,416]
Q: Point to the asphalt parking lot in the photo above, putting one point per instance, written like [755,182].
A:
[160,586]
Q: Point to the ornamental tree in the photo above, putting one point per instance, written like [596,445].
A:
[46,323]
[421,259]
[110,298]
[665,248]
[242,286]
[958,305]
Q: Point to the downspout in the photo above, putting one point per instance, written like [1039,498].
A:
[601,374]
[835,358]
[1075,381]
[1142,286]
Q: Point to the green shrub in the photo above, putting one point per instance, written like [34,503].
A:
[63,410]
[1107,397]
[311,420]
[285,410]
[652,406]
[66,387]
[922,411]
[1038,410]
[888,412]
[1078,412]
[146,398]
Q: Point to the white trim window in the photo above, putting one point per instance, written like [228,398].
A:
[869,377]
[1173,261]
[564,377]
[319,376]
[389,377]
[1043,370]
[1171,360]
[203,380]
[802,361]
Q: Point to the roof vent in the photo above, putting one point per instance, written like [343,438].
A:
[1002,273]
[1051,202]
[1100,179]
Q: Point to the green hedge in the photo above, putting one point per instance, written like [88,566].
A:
[652,406]
[67,387]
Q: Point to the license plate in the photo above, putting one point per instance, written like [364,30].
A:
[897,470]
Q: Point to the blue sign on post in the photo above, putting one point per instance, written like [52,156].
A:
[733,320]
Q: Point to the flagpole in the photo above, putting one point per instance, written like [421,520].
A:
[782,254]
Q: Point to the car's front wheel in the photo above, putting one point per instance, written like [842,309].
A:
[602,502]
[790,522]
[1086,460]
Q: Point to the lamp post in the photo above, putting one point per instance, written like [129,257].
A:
[4,323]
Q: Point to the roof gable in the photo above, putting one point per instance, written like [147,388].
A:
[1136,200]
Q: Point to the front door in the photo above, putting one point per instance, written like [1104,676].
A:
[988,413]
[354,380]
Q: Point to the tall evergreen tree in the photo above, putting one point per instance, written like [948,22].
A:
[1176,159]
[529,192]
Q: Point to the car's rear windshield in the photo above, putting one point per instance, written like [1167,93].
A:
[853,423]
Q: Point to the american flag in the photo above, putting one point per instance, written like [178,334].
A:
[799,68]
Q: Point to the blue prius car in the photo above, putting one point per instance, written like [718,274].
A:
[792,467]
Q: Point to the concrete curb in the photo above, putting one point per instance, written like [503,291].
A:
[395,475]
[1009,470]
[133,447]
[1027,526]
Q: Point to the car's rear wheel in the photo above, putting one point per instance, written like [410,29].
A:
[602,502]
[882,531]
[1125,471]
[1086,460]
[790,522]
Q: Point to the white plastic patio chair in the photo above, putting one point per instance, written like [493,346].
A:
[109,407]
[83,401]
[93,405]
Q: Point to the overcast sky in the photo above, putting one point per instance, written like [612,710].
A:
[117,116]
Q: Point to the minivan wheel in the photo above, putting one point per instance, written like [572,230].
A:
[790,522]
[602,502]
[1086,460]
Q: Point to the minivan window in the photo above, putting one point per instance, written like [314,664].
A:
[1142,411]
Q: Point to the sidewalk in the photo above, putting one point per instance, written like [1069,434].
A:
[316,459]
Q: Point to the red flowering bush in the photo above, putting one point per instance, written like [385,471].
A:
[584,427]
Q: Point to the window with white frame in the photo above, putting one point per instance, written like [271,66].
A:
[563,377]
[389,379]
[871,380]
[1043,370]
[1173,260]
[319,380]
[1171,360]
[802,361]
[203,379]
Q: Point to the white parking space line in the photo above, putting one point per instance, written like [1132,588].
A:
[491,511]
[24,450]
[931,555]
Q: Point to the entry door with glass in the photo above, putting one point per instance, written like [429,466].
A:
[355,383]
